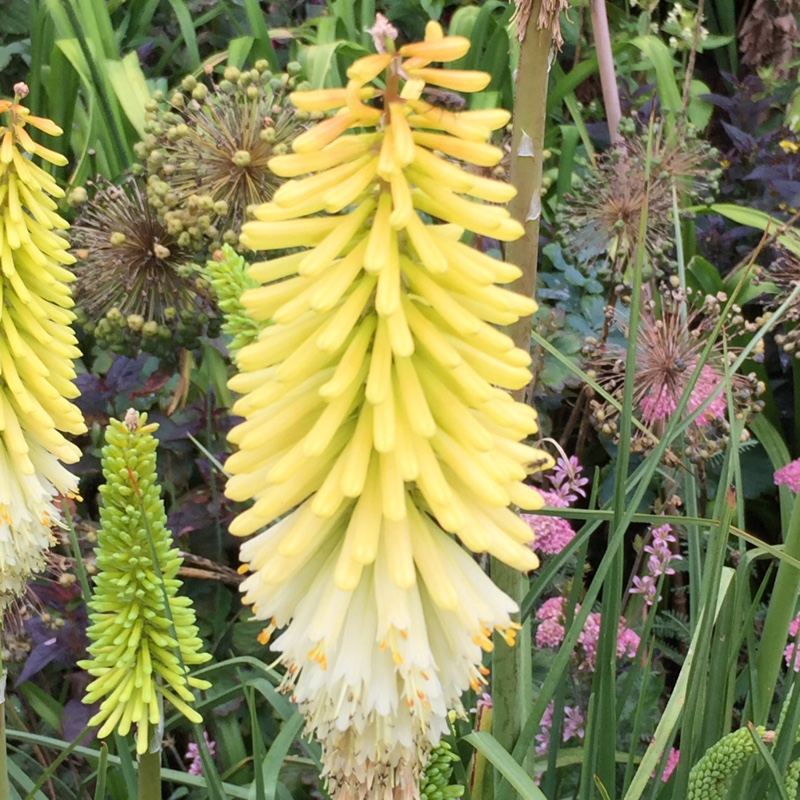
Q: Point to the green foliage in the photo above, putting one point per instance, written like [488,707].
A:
[703,668]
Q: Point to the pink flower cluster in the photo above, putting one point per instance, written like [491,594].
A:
[573,726]
[553,534]
[789,475]
[660,557]
[550,633]
[662,403]
[791,654]
[193,755]
[673,757]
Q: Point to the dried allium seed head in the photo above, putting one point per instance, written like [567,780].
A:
[669,349]
[605,214]
[136,285]
[207,152]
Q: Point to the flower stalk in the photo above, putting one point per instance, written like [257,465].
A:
[511,668]
[149,775]
[778,619]
[372,415]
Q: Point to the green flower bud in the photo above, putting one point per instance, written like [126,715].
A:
[708,778]
[227,274]
[143,635]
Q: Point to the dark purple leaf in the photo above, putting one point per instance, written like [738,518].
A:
[75,719]
[789,191]
[94,394]
[741,140]
[124,373]
[726,103]
[765,172]
[65,646]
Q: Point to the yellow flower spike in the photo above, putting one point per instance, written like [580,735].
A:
[134,657]
[377,417]
[36,352]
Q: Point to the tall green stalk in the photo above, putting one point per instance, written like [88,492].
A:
[776,625]
[512,686]
[4,785]
[150,775]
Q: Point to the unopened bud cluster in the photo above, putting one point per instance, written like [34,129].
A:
[229,279]
[708,779]
[143,634]
[435,783]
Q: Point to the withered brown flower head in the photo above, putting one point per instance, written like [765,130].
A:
[126,257]
[136,286]
[602,219]
[669,347]
[206,151]
[784,272]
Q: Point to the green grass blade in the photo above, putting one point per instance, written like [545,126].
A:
[102,769]
[675,705]
[187,33]
[505,764]
[660,57]
[772,768]
[271,768]
[776,625]
[130,88]
[262,47]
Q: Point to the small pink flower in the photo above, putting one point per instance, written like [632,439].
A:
[551,534]
[552,608]
[794,627]
[627,641]
[662,402]
[646,587]
[789,475]
[673,757]
[549,633]
[567,480]
[193,755]
[573,727]
[791,655]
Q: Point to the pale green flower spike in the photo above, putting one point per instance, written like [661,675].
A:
[137,657]
[435,782]
[229,277]
[708,779]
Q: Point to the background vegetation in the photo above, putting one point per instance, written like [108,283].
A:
[668,250]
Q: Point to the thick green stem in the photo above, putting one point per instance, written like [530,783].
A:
[527,156]
[511,667]
[150,776]
[776,625]
[4,785]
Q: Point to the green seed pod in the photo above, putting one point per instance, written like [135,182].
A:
[708,778]
[143,636]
